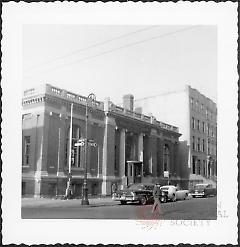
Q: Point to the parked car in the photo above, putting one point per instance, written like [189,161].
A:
[203,190]
[173,193]
[140,192]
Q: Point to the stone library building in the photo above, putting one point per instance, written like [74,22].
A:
[127,146]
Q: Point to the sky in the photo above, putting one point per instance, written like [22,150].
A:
[113,60]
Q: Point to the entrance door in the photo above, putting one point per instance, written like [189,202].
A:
[135,172]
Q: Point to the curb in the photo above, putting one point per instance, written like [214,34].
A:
[65,203]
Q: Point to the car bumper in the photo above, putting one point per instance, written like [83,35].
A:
[125,198]
[200,194]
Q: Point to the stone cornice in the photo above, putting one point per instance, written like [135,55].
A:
[48,93]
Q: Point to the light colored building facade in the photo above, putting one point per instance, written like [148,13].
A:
[131,147]
[196,117]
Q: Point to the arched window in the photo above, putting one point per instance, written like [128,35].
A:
[166,158]
[76,151]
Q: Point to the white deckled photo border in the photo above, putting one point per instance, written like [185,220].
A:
[220,231]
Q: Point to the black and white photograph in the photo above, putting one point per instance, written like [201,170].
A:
[120,124]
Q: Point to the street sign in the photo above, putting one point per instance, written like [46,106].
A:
[92,144]
[81,144]
[82,140]
[166,174]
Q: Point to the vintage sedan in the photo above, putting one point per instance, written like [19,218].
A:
[203,190]
[140,192]
[174,194]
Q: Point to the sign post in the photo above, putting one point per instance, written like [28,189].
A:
[166,175]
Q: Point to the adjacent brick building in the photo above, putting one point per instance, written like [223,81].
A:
[131,147]
[196,116]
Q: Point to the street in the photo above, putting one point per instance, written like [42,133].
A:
[192,209]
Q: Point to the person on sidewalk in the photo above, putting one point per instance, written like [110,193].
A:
[114,188]
[156,196]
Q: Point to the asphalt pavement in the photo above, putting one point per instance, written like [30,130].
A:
[48,202]
[105,208]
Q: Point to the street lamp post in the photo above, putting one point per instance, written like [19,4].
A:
[90,101]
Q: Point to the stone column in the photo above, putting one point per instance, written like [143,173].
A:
[62,143]
[172,164]
[108,155]
[122,160]
[140,147]
[210,170]
[160,157]
[153,151]
[207,167]
[41,161]
[175,159]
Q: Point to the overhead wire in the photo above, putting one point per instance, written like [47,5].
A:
[92,46]
[122,47]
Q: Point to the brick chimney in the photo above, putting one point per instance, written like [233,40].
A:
[128,102]
[138,109]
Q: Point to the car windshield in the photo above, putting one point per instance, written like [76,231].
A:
[136,187]
[165,187]
[200,186]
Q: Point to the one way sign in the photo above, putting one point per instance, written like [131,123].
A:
[92,144]
[79,144]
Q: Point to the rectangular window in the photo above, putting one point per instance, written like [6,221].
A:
[203,145]
[193,123]
[192,102]
[27,144]
[212,133]
[198,124]
[208,148]
[193,143]
[204,168]
[203,127]
[193,164]
[198,144]
[201,106]
[199,167]
[197,105]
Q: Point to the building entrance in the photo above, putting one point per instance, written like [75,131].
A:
[135,172]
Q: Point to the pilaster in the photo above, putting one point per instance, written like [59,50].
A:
[108,153]
[140,147]
[122,160]
[61,142]
[41,166]
[153,151]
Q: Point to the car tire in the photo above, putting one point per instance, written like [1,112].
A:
[123,202]
[163,199]
[143,200]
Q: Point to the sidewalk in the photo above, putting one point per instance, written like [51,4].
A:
[48,202]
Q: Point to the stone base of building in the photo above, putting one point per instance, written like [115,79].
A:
[56,187]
